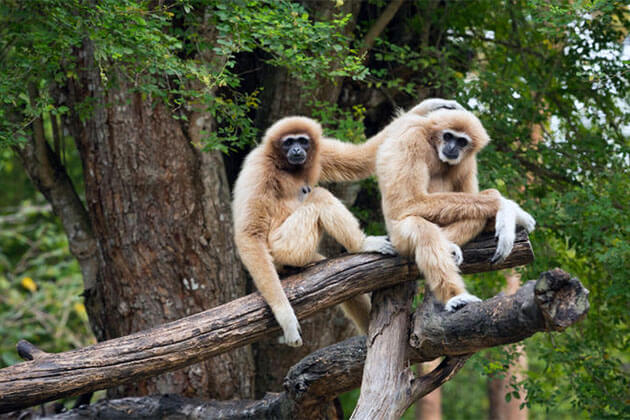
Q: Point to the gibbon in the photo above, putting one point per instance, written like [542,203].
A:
[280,215]
[427,175]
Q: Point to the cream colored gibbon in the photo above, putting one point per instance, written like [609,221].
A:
[280,215]
[427,174]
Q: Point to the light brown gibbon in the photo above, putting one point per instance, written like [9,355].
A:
[427,174]
[280,215]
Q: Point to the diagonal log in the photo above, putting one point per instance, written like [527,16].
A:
[553,302]
[198,337]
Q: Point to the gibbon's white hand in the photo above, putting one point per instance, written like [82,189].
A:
[290,327]
[459,301]
[509,215]
[380,244]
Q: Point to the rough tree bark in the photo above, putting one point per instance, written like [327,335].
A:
[555,301]
[499,385]
[552,303]
[159,212]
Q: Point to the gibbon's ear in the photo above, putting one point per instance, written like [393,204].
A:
[461,121]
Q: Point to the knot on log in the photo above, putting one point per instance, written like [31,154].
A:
[28,351]
[561,298]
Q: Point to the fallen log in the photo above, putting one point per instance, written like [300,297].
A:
[46,376]
[324,374]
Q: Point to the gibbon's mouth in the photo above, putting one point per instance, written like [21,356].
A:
[297,159]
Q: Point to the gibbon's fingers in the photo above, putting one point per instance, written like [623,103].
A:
[525,219]
[505,230]
[456,252]
[379,244]
[459,301]
[291,330]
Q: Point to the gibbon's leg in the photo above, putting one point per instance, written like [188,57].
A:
[415,236]
[358,310]
[463,231]
[296,240]
[338,222]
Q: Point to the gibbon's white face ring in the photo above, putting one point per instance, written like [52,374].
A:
[295,135]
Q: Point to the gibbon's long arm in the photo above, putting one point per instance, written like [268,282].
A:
[343,161]
[462,231]
[451,207]
[257,258]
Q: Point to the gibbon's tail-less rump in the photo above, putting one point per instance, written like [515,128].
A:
[427,174]
[280,214]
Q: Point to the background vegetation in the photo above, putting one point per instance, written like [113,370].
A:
[550,81]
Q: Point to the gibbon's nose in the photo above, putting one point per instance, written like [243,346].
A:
[450,152]
[297,155]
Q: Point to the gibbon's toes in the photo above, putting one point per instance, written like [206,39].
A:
[456,252]
[378,244]
[459,301]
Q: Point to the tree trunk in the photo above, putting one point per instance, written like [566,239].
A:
[499,386]
[160,215]
[430,407]
[285,95]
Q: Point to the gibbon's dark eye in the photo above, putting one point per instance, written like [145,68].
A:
[462,142]
[303,141]
[447,136]
[288,142]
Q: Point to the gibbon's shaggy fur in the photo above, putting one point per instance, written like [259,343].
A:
[280,216]
[432,203]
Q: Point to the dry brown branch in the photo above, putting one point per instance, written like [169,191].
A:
[198,337]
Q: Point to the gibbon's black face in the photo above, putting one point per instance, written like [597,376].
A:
[295,147]
[453,146]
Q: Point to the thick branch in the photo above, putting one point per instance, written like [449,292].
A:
[386,354]
[206,334]
[552,303]
[49,176]
[379,26]
[557,299]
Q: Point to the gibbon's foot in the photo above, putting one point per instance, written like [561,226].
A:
[505,230]
[379,244]
[290,328]
[457,302]
[456,252]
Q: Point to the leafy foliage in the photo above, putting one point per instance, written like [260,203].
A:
[40,285]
